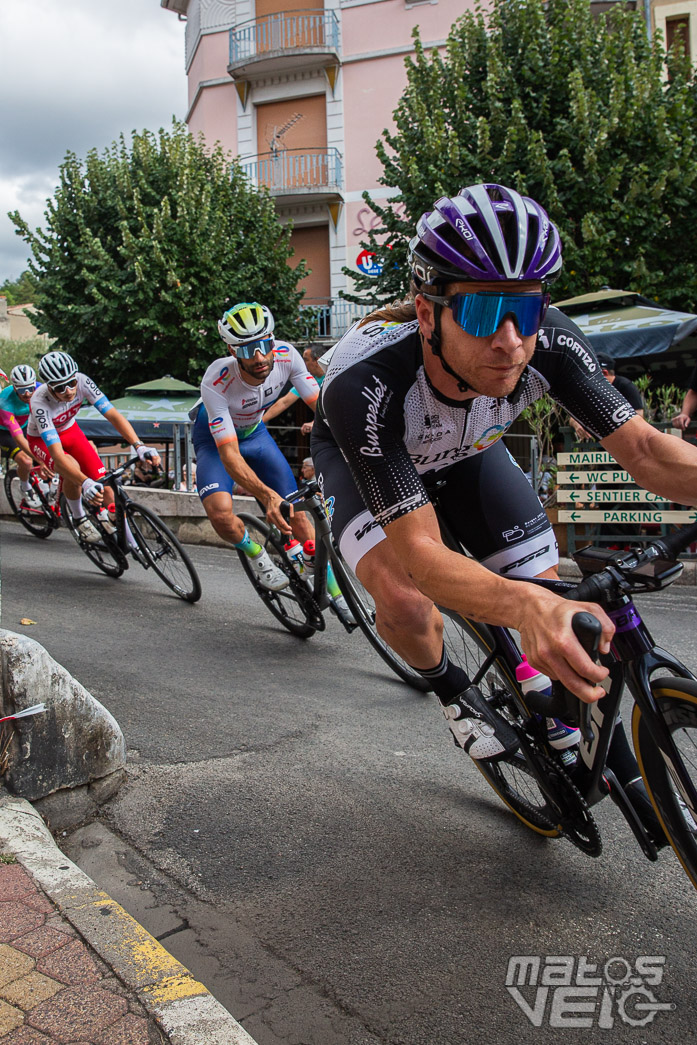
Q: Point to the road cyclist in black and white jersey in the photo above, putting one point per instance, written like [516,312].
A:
[421,393]
[232,443]
[56,439]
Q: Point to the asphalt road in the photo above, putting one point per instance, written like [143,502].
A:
[299,830]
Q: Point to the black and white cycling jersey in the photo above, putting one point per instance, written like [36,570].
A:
[393,427]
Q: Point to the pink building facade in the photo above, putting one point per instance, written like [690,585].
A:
[302,95]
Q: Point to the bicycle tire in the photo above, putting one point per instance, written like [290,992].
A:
[362,607]
[163,552]
[106,555]
[676,699]
[38,524]
[470,645]
[294,607]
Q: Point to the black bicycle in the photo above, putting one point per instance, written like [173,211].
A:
[156,546]
[299,607]
[533,782]
[42,518]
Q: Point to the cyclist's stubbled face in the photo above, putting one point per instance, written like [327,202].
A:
[259,367]
[491,366]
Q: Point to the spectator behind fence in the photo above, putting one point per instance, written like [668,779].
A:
[689,404]
[307,469]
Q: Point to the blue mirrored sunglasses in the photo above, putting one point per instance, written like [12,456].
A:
[482,313]
[247,350]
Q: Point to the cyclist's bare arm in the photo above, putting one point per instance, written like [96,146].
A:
[542,618]
[283,403]
[280,406]
[236,467]
[125,429]
[659,462]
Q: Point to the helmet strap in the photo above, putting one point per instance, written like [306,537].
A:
[435,342]
[517,392]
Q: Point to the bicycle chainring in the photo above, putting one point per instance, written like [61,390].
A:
[575,820]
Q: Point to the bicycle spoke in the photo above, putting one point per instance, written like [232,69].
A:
[160,549]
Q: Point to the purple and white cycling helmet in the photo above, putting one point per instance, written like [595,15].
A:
[486,233]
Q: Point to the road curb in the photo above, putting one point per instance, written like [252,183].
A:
[183,1008]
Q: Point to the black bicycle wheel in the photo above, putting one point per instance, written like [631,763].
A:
[39,521]
[294,606]
[163,552]
[106,554]
[677,701]
[470,645]
[362,607]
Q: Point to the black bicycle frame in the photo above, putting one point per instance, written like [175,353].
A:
[121,499]
[307,497]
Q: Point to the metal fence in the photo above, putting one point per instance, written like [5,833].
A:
[180,466]
[178,459]
[333,319]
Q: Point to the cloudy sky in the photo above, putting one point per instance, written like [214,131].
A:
[74,74]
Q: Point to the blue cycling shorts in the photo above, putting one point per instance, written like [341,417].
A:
[259,451]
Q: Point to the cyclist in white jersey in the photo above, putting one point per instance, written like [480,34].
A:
[231,441]
[56,439]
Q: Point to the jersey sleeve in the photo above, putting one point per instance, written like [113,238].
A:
[10,422]
[565,358]
[94,395]
[216,380]
[41,416]
[304,384]
[365,414]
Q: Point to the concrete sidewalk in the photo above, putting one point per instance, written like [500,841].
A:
[76,968]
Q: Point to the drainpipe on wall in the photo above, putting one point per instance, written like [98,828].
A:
[647,18]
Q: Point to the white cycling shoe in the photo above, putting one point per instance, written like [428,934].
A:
[87,530]
[478,729]
[269,575]
[344,612]
[31,500]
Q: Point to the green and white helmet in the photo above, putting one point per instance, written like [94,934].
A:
[248,321]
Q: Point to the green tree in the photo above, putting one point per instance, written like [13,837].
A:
[145,246]
[20,291]
[572,110]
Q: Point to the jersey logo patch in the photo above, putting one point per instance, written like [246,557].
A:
[222,376]
[491,435]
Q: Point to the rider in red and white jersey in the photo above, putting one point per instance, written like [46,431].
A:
[56,439]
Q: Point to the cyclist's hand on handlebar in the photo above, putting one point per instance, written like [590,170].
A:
[274,515]
[93,492]
[45,472]
[549,642]
[147,453]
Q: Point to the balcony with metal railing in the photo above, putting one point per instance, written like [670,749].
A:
[281,41]
[288,173]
